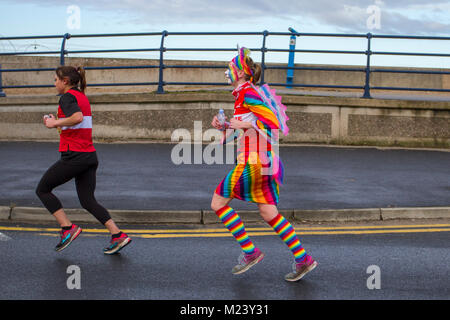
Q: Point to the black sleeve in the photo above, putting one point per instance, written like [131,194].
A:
[69,104]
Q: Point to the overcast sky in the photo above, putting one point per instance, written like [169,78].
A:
[44,17]
[397,16]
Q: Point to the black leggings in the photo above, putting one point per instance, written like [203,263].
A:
[82,167]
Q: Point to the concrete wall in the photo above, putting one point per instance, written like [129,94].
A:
[192,75]
[149,116]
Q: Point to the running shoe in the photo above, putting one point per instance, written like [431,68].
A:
[117,244]
[67,236]
[246,261]
[300,269]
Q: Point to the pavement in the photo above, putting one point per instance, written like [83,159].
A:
[139,183]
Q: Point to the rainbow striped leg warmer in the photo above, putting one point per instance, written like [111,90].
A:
[234,224]
[286,232]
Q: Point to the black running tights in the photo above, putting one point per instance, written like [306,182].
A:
[85,181]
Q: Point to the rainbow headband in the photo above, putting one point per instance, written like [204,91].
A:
[238,63]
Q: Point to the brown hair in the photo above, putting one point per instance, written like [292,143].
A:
[256,69]
[76,76]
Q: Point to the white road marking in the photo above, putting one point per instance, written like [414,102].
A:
[4,237]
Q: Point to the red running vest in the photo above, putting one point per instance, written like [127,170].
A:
[77,137]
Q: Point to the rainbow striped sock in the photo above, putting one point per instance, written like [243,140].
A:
[234,224]
[287,233]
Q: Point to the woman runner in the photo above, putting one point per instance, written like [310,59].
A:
[259,172]
[78,160]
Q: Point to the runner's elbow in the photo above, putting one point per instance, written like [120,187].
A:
[78,117]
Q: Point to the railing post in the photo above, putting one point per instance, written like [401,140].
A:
[290,72]
[263,54]
[2,94]
[367,84]
[161,63]
[63,49]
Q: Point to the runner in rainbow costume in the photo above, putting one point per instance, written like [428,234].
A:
[258,118]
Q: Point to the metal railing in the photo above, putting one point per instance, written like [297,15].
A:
[367,70]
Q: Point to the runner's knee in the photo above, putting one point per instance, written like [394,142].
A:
[218,203]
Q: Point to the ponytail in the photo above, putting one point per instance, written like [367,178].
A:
[75,76]
[255,68]
[82,74]
[256,73]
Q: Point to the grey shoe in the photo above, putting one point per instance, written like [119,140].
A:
[247,261]
[300,269]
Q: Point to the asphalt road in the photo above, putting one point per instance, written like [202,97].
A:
[161,263]
[143,176]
